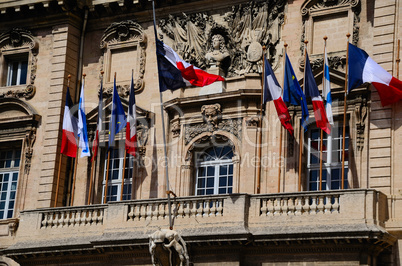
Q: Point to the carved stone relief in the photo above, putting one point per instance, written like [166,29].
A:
[212,115]
[207,141]
[18,41]
[233,126]
[235,44]
[122,35]
[175,128]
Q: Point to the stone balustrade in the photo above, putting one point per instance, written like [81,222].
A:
[198,216]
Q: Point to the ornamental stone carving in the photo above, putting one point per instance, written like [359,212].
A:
[233,126]
[122,35]
[175,128]
[211,114]
[243,31]
[20,41]
[29,142]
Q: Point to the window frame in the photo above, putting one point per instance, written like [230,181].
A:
[10,61]
[216,164]
[10,171]
[330,165]
[128,180]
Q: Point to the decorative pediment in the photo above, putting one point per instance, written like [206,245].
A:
[124,43]
[18,38]
[144,120]
[310,6]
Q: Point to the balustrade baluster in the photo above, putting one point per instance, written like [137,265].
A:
[320,207]
[263,208]
[313,205]
[299,206]
[336,204]
[213,208]
[206,208]
[187,209]
[270,207]
[219,209]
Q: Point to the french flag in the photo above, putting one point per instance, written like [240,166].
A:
[326,90]
[273,92]
[99,127]
[131,128]
[82,125]
[175,73]
[363,69]
[70,129]
[311,90]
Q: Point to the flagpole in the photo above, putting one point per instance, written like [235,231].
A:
[108,155]
[94,159]
[124,174]
[321,131]
[280,138]
[259,146]
[398,60]
[60,159]
[75,164]
[301,127]
[344,114]
[164,135]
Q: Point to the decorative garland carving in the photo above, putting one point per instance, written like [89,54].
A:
[245,29]
[334,62]
[175,128]
[20,38]
[233,126]
[124,32]
[361,115]
[29,142]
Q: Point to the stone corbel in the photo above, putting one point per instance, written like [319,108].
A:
[175,128]
[252,121]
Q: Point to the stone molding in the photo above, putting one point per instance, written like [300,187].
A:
[16,41]
[122,35]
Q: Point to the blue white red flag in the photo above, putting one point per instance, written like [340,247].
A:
[326,90]
[363,69]
[175,73]
[131,129]
[312,91]
[70,129]
[273,92]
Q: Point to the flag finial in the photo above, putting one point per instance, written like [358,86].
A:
[348,35]
[325,38]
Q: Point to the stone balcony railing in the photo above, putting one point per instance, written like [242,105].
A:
[235,216]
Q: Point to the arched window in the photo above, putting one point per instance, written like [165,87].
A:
[214,171]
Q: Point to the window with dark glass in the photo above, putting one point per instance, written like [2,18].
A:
[9,171]
[331,158]
[215,171]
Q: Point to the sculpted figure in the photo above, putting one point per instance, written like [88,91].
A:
[211,114]
[176,242]
[218,51]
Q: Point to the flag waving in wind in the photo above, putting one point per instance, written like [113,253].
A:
[175,73]
[82,125]
[293,93]
[117,118]
[326,90]
[273,92]
[70,129]
[312,92]
[131,129]
[363,69]
[99,126]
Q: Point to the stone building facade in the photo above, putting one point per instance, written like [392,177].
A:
[232,203]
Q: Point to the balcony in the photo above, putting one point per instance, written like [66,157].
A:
[349,215]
